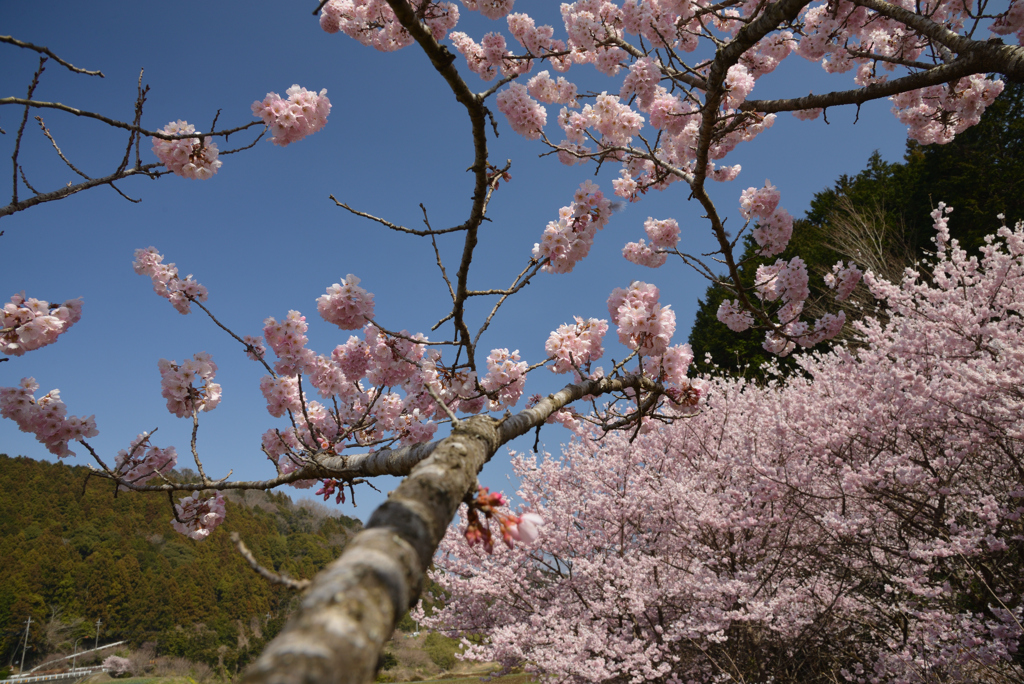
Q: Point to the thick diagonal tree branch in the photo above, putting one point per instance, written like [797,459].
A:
[352,607]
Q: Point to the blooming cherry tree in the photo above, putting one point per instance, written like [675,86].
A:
[682,76]
[860,519]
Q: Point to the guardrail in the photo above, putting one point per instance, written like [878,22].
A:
[75,674]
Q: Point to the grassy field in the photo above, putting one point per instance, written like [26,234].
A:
[475,679]
[507,679]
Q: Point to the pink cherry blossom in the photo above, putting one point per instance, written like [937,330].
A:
[193,157]
[643,255]
[526,116]
[785,505]
[527,530]
[180,292]
[545,89]
[188,387]
[843,279]
[740,82]
[291,120]
[644,325]
[45,417]
[938,113]
[143,461]
[288,340]
[759,202]
[346,305]
[506,375]
[566,241]
[576,345]
[731,313]
[663,233]
[27,324]
[373,23]
[196,517]
[773,233]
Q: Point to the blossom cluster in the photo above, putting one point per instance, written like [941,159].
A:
[937,114]
[288,340]
[506,376]
[346,305]
[373,22]
[615,121]
[643,324]
[840,39]
[364,414]
[489,58]
[303,113]
[576,345]
[775,225]
[642,254]
[538,40]
[492,9]
[843,279]
[664,235]
[526,116]
[117,666]
[180,292]
[566,241]
[177,385]
[788,282]
[192,157]
[27,324]
[783,280]
[143,461]
[546,89]
[739,81]
[45,417]
[196,516]
[1012,21]
[759,202]
[734,316]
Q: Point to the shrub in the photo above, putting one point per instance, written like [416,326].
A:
[441,650]
[388,661]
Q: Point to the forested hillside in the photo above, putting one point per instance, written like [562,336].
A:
[73,553]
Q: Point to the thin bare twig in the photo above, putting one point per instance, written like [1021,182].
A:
[393,226]
[269,575]
[46,51]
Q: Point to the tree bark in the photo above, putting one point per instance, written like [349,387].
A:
[351,608]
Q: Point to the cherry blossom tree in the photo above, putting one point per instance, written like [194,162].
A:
[681,76]
[861,522]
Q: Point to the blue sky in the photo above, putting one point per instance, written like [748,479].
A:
[263,236]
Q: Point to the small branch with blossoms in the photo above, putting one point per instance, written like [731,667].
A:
[523,528]
[180,149]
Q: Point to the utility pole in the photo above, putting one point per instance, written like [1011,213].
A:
[98,623]
[23,648]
